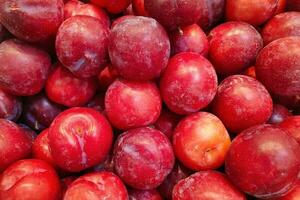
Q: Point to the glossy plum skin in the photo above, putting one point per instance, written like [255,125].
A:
[24,68]
[294,194]
[143,157]
[242,102]
[75,7]
[254,12]
[41,149]
[167,122]
[12,136]
[292,126]
[201,141]
[131,104]
[144,195]
[272,163]
[64,88]
[234,47]
[97,186]
[211,12]
[293,5]
[79,138]
[282,25]
[279,114]
[139,48]
[10,106]
[206,185]
[174,13]
[166,188]
[30,179]
[81,45]
[279,69]
[112,6]
[188,84]
[189,39]
[31,20]
[106,77]
[39,111]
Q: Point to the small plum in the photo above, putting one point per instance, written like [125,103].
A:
[263,161]
[292,126]
[188,84]
[10,106]
[139,47]
[64,88]
[24,68]
[242,102]
[112,6]
[206,185]
[131,104]
[97,186]
[143,157]
[279,114]
[144,195]
[79,138]
[81,45]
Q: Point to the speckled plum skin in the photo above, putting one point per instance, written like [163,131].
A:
[41,149]
[292,126]
[254,12]
[282,25]
[24,68]
[139,48]
[242,102]
[81,45]
[79,138]
[279,69]
[31,20]
[75,7]
[263,161]
[211,12]
[179,172]
[279,114]
[189,39]
[39,111]
[143,157]
[10,106]
[188,84]
[233,47]
[174,13]
[112,6]
[97,186]
[201,141]
[15,144]
[130,104]
[144,195]
[294,194]
[206,185]
[64,88]
[293,5]
[30,179]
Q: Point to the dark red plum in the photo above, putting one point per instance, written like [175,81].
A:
[292,126]
[139,48]
[282,25]
[10,106]
[188,84]
[24,68]
[32,20]
[79,138]
[81,45]
[189,39]
[144,195]
[64,88]
[112,6]
[206,185]
[293,5]
[138,7]
[130,104]
[242,102]
[234,46]
[39,111]
[143,158]
[279,114]
[263,161]
[279,69]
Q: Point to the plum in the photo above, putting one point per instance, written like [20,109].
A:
[138,7]
[144,195]
[97,103]
[292,126]
[139,48]
[143,157]
[188,84]
[263,161]
[279,114]
[112,6]
[10,106]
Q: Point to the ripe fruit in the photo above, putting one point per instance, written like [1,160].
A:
[292,126]
[188,84]
[279,114]
[10,106]
[79,138]
[144,195]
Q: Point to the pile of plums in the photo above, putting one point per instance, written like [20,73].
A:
[149,99]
